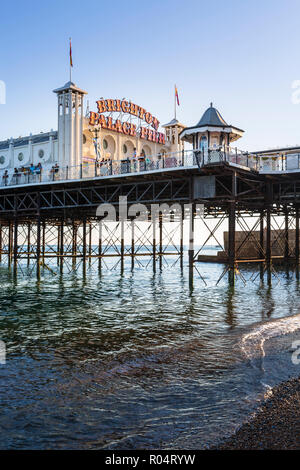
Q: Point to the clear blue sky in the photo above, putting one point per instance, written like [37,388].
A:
[242,55]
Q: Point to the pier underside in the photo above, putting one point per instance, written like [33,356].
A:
[258,213]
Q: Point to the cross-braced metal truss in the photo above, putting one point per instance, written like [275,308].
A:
[71,242]
[256,240]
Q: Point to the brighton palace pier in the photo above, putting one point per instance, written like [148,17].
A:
[52,183]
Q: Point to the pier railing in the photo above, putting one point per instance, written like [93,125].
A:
[108,167]
[184,159]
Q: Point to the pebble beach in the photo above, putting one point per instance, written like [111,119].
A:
[276,426]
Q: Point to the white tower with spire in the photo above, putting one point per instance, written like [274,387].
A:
[70,124]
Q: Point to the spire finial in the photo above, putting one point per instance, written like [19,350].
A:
[211,105]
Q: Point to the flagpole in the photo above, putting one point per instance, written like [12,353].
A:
[70,61]
[175,101]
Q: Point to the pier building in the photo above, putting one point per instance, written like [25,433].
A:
[51,185]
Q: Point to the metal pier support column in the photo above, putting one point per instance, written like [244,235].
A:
[58,244]
[286,235]
[61,247]
[74,243]
[231,232]
[15,245]
[154,242]
[132,242]
[84,245]
[191,241]
[261,243]
[297,242]
[38,247]
[90,242]
[28,242]
[160,225]
[10,242]
[268,245]
[122,222]
[100,246]
[43,241]
[231,243]
[181,239]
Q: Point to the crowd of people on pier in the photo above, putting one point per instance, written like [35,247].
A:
[142,162]
[29,173]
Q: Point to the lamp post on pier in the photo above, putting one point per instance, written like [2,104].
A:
[97,145]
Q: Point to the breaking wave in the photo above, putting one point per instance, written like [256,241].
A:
[253,344]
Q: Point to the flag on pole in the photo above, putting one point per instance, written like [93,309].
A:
[176,95]
[71,60]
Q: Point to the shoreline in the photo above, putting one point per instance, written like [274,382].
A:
[275,426]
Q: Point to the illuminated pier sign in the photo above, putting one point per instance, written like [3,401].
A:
[125,107]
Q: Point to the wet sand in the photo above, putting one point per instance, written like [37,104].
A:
[275,426]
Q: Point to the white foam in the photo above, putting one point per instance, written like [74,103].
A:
[253,342]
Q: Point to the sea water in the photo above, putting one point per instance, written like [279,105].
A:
[140,359]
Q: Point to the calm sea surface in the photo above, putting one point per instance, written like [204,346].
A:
[139,360]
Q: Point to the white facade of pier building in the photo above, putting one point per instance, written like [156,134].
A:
[74,142]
